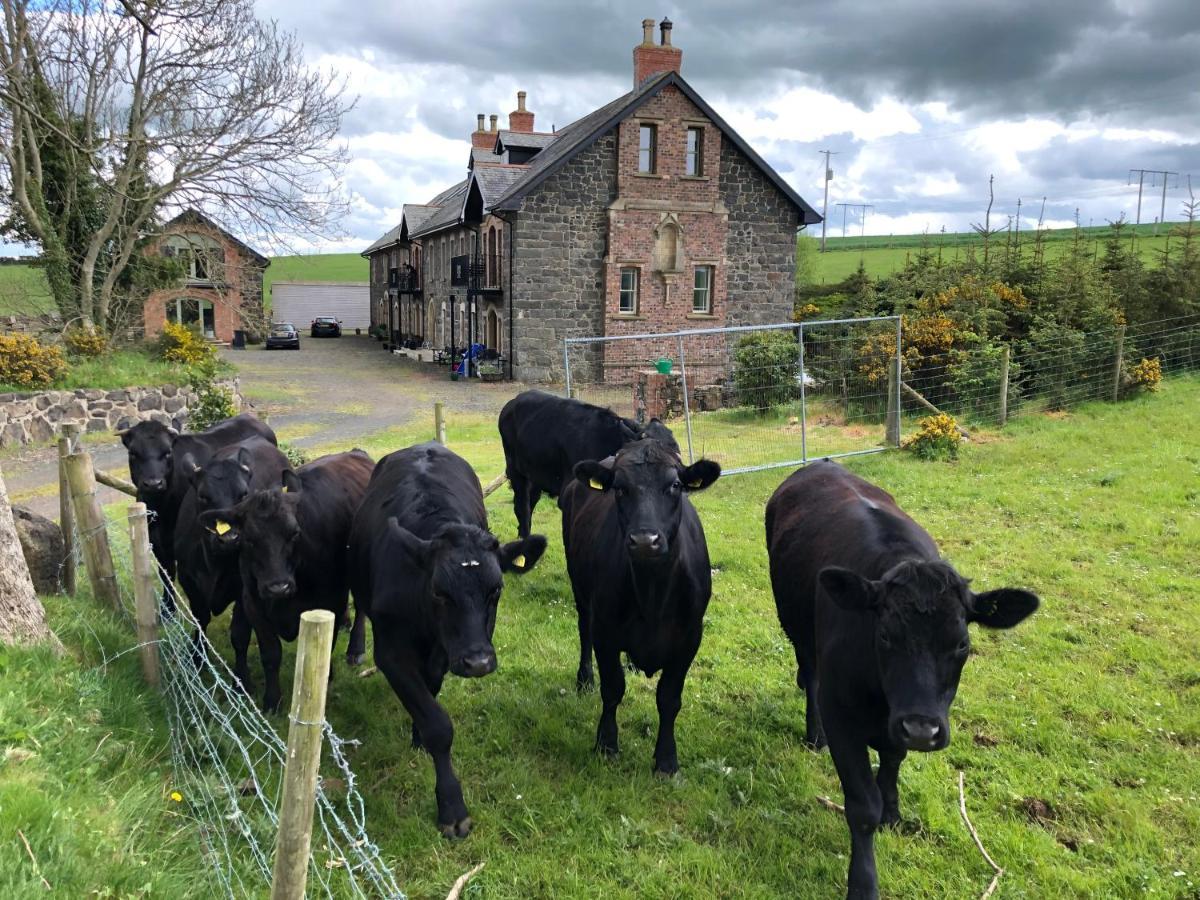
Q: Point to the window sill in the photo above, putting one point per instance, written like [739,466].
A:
[650,175]
[626,317]
[696,315]
[694,178]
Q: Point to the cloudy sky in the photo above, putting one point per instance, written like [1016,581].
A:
[920,99]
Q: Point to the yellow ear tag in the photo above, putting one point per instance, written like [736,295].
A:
[519,562]
[221,527]
[595,485]
[285,488]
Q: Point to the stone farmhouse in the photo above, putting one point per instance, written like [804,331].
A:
[222,286]
[649,214]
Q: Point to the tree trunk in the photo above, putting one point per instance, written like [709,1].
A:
[22,619]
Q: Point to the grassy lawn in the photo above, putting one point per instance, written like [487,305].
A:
[23,291]
[1079,732]
[318,267]
[113,371]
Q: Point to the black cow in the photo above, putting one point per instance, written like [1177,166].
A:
[879,623]
[544,436]
[639,568]
[426,570]
[293,554]
[154,449]
[208,556]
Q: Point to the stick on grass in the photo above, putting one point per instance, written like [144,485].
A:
[457,889]
[37,870]
[962,808]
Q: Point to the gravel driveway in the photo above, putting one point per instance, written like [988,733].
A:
[333,390]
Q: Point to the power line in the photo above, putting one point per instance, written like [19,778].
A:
[863,206]
[1142,173]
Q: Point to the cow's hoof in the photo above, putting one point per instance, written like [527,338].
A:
[817,744]
[668,770]
[271,706]
[355,659]
[609,750]
[909,827]
[456,831]
[585,685]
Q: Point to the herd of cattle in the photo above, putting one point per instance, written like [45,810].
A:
[878,620]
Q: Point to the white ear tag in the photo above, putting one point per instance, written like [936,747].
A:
[470,563]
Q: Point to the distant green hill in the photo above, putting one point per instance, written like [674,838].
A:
[884,254]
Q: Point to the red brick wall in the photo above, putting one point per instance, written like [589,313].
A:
[226,298]
[651,59]
[645,205]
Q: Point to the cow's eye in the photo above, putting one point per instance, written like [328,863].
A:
[620,492]
[494,596]
[675,487]
[884,640]
[964,646]
[441,599]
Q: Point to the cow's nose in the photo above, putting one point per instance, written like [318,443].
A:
[155,484]
[281,589]
[645,542]
[476,665]
[920,732]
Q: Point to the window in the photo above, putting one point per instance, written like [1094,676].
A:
[648,149]
[198,254]
[694,157]
[628,303]
[702,290]
[192,312]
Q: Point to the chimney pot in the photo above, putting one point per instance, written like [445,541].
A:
[648,32]
[494,119]
[479,121]
[650,59]
[665,31]
[520,101]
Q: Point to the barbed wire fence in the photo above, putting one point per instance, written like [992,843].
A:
[228,760]
[779,395]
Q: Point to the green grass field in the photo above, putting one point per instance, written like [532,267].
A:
[23,291]
[1078,732]
[318,267]
[884,254]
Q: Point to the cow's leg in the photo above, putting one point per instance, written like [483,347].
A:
[864,808]
[612,690]
[433,681]
[436,731]
[889,770]
[669,696]
[270,651]
[521,505]
[239,637]
[535,494]
[584,680]
[806,676]
[357,651]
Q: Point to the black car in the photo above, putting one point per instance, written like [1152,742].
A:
[326,326]
[284,335]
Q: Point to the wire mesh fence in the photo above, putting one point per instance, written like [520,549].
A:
[779,395]
[228,762]
[750,397]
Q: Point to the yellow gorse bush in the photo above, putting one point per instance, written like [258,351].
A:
[85,342]
[1146,375]
[937,437]
[180,344]
[27,363]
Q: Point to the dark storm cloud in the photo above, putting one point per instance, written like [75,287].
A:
[1063,58]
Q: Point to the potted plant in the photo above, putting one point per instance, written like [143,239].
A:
[491,371]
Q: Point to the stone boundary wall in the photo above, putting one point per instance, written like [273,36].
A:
[28,418]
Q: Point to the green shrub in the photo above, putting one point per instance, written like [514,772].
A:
[27,363]
[214,403]
[937,437]
[766,365]
[295,455]
[84,342]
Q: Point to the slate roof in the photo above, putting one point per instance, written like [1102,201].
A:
[534,139]
[412,216]
[451,203]
[195,217]
[581,134]
[389,237]
[495,180]
[480,155]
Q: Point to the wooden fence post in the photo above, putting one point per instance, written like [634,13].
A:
[307,717]
[892,435]
[1119,365]
[92,528]
[439,424]
[1004,363]
[145,591]
[68,435]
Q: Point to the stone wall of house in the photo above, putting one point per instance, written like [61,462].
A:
[559,260]
[760,247]
[28,418]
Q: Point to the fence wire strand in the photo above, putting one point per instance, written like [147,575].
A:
[228,763]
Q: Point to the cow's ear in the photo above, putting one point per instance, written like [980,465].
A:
[1002,608]
[849,590]
[220,521]
[191,469]
[521,556]
[420,552]
[700,475]
[175,429]
[244,458]
[594,474]
[125,430]
[291,482]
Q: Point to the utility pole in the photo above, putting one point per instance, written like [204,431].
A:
[825,208]
[1153,173]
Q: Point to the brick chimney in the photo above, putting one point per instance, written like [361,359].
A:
[520,119]
[650,59]
[493,118]
[481,137]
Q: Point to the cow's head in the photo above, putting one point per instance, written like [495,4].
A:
[921,612]
[463,567]
[647,482]
[151,456]
[221,484]
[656,430]
[267,526]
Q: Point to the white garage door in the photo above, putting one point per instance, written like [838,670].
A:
[299,302]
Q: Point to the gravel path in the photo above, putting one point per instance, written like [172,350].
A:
[333,391]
